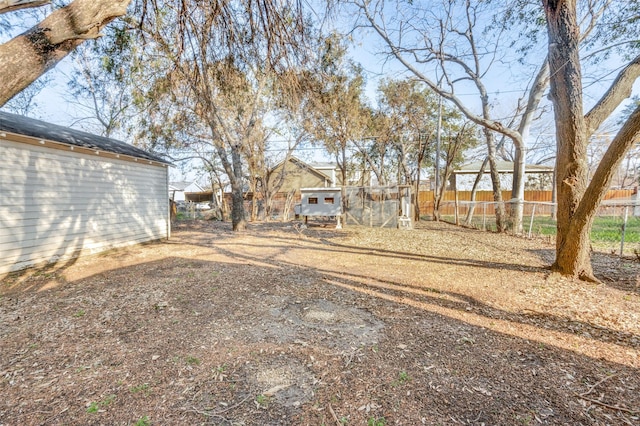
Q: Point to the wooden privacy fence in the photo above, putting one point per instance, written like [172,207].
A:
[448,205]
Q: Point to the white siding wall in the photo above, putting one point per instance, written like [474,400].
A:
[57,204]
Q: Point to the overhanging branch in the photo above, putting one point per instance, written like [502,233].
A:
[7,6]
[620,90]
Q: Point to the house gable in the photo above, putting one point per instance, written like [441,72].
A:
[299,174]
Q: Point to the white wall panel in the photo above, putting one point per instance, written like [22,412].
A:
[56,204]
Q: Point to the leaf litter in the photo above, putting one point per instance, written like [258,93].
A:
[285,326]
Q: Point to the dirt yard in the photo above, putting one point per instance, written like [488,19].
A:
[287,326]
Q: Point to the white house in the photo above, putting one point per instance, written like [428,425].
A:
[66,193]
[537,176]
[177,190]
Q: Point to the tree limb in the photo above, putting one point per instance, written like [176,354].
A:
[620,90]
[13,5]
[628,135]
[540,84]
[395,51]
[26,57]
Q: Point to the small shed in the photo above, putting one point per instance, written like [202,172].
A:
[66,193]
[320,202]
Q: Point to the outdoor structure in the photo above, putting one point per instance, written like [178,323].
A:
[538,177]
[66,193]
[299,174]
[320,202]
[179,191]
[379,206]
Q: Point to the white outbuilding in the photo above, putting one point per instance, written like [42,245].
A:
[66,193]
[320,202]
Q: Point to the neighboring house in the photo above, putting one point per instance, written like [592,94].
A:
[66,193]
[178,190]
[299,174]
[538,177]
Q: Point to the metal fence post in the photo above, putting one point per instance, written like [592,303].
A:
[484,216]
[533,212]
[624,228]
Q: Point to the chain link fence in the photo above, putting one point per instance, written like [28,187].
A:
[616,227]
[372,206]
[281,210]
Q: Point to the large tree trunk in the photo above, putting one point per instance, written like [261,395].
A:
[238,220]
[31,54]
[572,239]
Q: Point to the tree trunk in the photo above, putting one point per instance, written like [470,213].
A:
[517,190]
[495,181]
[342,163]
[474,191]
[477,180]
[238,220]
[415,199]
[572,239]
[254,200]
[31,54]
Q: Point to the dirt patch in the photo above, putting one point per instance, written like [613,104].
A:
[283,326]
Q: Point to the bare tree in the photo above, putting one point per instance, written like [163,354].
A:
[455,143]
[103,83]
[217,67]
[460,43]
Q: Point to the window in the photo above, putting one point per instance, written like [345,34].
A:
[313,200]
[328,200]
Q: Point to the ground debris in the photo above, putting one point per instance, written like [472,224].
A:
[290,326]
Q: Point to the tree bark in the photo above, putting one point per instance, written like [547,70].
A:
[520,143]
[31,54]
[578,199]
[238,219]
[13,5]
[495,181]
[517,190]
[474,191]
[572,238]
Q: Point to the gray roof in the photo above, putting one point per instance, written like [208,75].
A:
[182,185]
[179,186]
[39,129]
[323,165]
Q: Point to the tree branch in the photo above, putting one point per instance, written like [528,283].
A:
[628,135]
[620,90]
[395,51]
[540,83]
[29,55]
[13,5]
